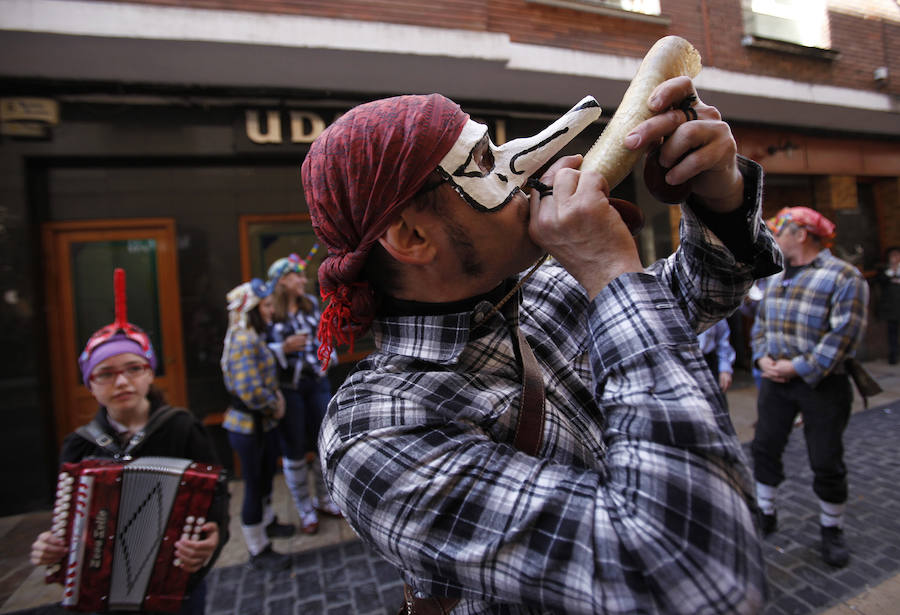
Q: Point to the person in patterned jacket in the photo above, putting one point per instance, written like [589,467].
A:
[548,441]
[256,406]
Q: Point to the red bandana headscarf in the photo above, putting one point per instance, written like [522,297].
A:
[358,176]
[807,218]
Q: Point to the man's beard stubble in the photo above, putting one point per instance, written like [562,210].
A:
[464,247]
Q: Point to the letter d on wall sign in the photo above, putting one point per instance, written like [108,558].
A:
[305,126]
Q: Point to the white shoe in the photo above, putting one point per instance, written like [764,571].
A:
[329,508]
[309,522]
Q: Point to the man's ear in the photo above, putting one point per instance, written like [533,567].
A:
[407,241]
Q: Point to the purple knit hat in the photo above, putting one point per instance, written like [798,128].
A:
[116,345]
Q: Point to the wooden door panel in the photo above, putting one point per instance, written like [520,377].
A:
[80,258]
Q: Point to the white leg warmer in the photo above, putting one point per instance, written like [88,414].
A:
[296,476]
[765,498]
[255,537]
[268,512]
[831,515]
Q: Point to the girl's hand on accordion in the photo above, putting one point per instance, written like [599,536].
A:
[195,553]
[47,549]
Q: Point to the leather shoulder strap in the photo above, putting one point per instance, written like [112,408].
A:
[530,429]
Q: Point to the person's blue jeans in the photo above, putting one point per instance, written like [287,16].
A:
[196,603]
[259,455]
[305,407]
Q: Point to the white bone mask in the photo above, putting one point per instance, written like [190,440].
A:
[505,169]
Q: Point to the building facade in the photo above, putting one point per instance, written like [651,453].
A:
[166,138]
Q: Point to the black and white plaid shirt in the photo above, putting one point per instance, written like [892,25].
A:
[639,498]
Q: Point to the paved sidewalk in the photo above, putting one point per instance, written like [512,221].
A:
[333,573]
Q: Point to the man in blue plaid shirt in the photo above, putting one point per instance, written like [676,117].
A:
[809,322]
[637,498]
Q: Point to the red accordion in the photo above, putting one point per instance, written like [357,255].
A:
[120,522]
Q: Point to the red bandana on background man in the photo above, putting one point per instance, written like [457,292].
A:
[804,217]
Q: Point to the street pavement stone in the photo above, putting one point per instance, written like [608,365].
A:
[343,579]
[350,579]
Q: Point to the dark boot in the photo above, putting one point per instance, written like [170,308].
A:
[834,549]
[269,560]
[768,523]
[279,530]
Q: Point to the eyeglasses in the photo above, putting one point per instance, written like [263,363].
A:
[108,376]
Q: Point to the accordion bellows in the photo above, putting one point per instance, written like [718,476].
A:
[120,522]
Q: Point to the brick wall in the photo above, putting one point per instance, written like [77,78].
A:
[866,38]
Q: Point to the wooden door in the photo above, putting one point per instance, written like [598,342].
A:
[79,259]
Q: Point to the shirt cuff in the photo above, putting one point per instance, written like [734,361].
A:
[739,230]
[632,315]
[806,371]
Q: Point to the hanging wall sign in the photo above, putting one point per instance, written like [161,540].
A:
[28,118]
[282,130]
[279,129]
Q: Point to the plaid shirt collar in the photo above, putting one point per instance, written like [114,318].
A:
[820,260]
[439,332]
